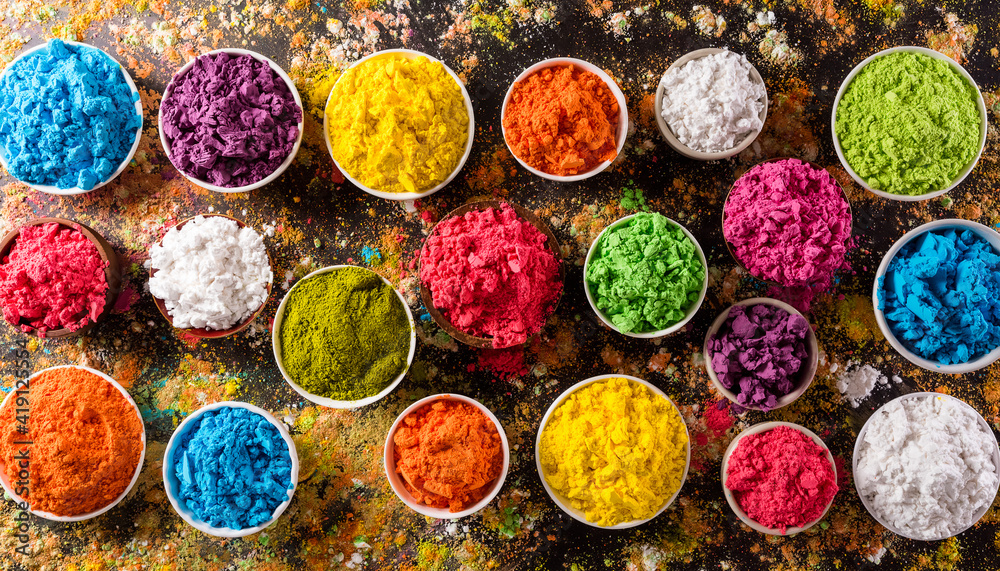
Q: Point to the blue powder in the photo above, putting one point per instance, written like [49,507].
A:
[371,254]
[941,296]
[233,467]
[67,117]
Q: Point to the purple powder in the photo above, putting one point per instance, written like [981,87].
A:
[758,353]
[230,120]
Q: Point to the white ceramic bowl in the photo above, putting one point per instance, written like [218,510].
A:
[652,334]
[408,54]
[621,132]
[982,126]
[324,401]
[561,500]
[805,375]
[672,139]
[984,232]
[128,158]
[397,483]
[288,160]
[861,436]
[731,499]
[5,481]
[172,485]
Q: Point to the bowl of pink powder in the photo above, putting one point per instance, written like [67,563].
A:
[491,274]
[58,277]
[779,478]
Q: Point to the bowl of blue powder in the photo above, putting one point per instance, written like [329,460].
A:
[937,296]
[230,469]
[70,118]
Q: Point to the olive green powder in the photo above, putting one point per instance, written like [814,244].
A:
[345,334]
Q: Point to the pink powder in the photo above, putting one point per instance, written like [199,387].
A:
[781,478]
[52,278]
[788,223]
[491,275]
[504,363]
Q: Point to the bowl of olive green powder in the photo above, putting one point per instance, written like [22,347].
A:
[909,123]
[343,337]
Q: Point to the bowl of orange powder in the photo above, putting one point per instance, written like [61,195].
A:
[564,119]
[446,456]
[72,443]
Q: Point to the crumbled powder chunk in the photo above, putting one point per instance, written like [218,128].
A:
[856,383]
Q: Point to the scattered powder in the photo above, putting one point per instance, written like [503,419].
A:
[504,363]
[856,383]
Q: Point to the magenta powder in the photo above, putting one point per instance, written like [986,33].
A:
[230,120]
[491,275]
[788,222]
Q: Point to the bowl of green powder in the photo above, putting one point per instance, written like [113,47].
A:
[343,337]
[909,123]
[645,275]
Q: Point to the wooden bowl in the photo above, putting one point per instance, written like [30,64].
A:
[200,332]
[112,273]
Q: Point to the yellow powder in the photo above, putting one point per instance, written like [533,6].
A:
[398,125]
[616,450]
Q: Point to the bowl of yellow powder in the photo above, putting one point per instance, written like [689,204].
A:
[613,451]
[909,123]
[343,337]
[399,124]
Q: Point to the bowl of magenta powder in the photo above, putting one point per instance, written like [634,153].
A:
[491,274]
[231,120]
[761,354]
[230,469]
[779,478]
[57,277]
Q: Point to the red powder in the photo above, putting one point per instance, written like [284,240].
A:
[504,363]
[52,278]
[717,418]
[781,478]
[491,275]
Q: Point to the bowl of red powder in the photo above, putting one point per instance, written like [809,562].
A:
[779,478]
[70,408]
[58,277]
[446,456]
[227,125]
[564,119]
[491,274]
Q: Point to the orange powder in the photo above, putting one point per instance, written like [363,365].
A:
[562,120]
[448,453]
[86,439]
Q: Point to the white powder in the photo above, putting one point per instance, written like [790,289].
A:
[856,383]
[211,273]
[926,466]
[711,103]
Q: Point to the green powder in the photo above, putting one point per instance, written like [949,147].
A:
[908,123]
[645,274]
[345,334]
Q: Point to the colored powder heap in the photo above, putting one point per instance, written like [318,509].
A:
[397,124]
[562,120]
[67,117]
[908,123]
[86,440]
[781,478]
[645,274]
[615,450]
[448,454]
[491,274]
[53,278]
[855,383]
[233,468]
[926,466]
[941,296]
[758,353]
[345,334]
[210,273]
[230,120]
[789,223]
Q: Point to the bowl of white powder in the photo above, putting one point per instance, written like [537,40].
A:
[926,466]
[210,275]
[710,104]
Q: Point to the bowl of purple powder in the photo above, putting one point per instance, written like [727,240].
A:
[761,354]
[231,120]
